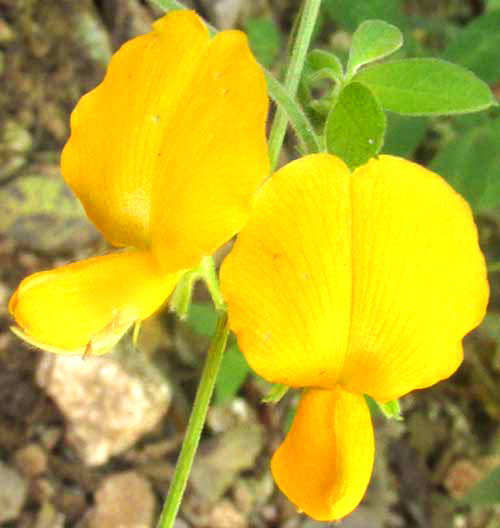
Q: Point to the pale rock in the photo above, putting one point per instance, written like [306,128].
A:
[225,515]
[109,401]
[13,490]
[224,12]
[123,500]
[180,523]
[49,517]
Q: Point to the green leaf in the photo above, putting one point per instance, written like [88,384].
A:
[404,134]
[492,5]
[276,393]
[232,374]
[264,38]
[374,39]
[426,87]
[180,299]
[202,318]
[323,61]
[350,14]
[355,127]
[391,410]
[486,492]
[476,47]
[471,164]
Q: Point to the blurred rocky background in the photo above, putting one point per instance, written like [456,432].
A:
[92,443]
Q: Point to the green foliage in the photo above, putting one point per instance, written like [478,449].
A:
[275,394]
[492,5]
[349,112]
[391,410]
[355,126]
[234,369]
[486,492]
[232,374]
[477,47]
[202,318]
[471,164]
[264,38]
[321,63]
[350,14]
[373,40]
[404,134]
[426,87]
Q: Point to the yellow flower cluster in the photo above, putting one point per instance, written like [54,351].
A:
[343,284]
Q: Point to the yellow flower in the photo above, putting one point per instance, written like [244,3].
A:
[351,284]
[165,155]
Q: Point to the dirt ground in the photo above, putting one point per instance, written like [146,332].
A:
[94,443]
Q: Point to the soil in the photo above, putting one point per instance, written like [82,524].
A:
[51,52]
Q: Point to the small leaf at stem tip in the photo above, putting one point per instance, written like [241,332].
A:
[275,394]
[426,87]
[355,126]
[391,410]
[374,39]
[320,60]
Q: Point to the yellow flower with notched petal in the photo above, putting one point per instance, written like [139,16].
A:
[165,155]
[351,284]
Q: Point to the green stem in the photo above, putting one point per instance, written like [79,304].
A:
[195,425]
[308,141]
[310,12]
[288,108]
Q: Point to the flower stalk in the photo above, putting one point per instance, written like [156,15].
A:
[195,425]
[310,10]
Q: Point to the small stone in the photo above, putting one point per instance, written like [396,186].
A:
[180,523]
[221,459]
[13,491]
[92,37]
[41,214]
[42,490]
[31,460]
[50,437]
[462,475]
[4,297]
[225,515]
[108,401]
[252,493]
[71,502]
[15,138]
[6,32]
[5,341]
[49,517]
[123,500]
